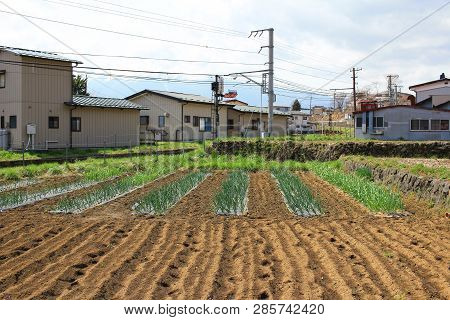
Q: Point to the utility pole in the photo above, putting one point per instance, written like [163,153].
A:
[334,95]
[217,88]
[391,83]
[271,93]
[354,71]
[310,101]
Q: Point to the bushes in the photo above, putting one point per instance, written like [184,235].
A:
[232,198]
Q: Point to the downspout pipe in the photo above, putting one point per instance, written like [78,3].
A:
[182,121]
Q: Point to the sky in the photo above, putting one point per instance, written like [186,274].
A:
[315,42]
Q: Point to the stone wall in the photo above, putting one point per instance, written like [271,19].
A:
[326,151]
[436,190]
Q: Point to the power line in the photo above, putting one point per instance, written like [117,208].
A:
[218,29]
[128,34]
[389,42]
[305,66]
[135,16]
[159,59]
[305,74]
[171,17]
[53,66]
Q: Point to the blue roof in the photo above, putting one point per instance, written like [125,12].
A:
[87,101]
[38,54]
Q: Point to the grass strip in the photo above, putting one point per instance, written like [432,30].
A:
[158,201]
[232,197]
[296,194]
[373,196]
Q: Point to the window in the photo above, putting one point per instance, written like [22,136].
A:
[187,119]
[195,121]
[438,125]
[230,124]
[144,120]
[75,124]
[305,118]
[378,122]
[12,122]
[205,124]
[2,122]
[53,122]
[359,122]
[419,125]
[2,79]
[255,124]
[161,121]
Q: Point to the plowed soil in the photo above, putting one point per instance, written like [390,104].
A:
[190,253]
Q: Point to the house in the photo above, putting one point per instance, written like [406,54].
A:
[299,122]
[98,122]
[236,102]
[174,116]
[428,119]
[38,111]
[282,108]
[244,121]
[438,89]
[318,110]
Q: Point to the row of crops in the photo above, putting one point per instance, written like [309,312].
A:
[230,199]
[359,185]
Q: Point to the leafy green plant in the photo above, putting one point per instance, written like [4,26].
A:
[372,195]
[159,200]
[15,199]
[365,173]
[297,196]
[232,197]
[18,184]
[110,191]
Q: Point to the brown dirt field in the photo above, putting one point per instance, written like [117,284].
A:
[190,253]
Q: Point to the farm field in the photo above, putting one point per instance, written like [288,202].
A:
[188,251]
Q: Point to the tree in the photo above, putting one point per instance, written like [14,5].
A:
[296,106]
[79,85]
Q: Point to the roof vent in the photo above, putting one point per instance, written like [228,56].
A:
[442,76]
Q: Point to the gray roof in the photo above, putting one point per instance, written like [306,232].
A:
[258,110]
[38,54]
[87,101]
[184,97]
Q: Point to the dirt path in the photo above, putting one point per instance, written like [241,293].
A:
[190,253]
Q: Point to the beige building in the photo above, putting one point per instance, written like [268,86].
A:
[244,121]
[37,109]
[173,116]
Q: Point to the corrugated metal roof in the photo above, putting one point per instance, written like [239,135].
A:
[258,110]
[185,96]
[38,54]
[87,101]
